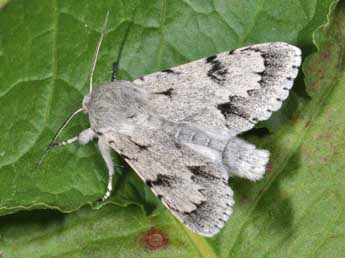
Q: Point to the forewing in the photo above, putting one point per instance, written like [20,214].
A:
[233,89]
[193,188]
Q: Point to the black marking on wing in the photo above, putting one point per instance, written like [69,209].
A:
[177,145]
[198,171]
[163,180]
[132,116]
[170,71]
[228,108]
[251,92]
[210,58]
[268,58]
[168,92]
[198,207]
[140,146]
[126,157]
[250,48]
[218,71]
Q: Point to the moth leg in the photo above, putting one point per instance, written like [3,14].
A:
[84,137]
[63,143]
[243,159]
[105,152]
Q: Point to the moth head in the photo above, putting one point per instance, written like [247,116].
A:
[86,103]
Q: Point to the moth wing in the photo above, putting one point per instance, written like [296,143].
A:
[233,89]
[194,189]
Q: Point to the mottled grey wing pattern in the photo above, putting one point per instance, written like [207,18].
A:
[230,90]
[177,128]
[193,187]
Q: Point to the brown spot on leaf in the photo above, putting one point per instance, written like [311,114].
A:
[155,239]
[269,167]
[3,7]
[307,124]
[325,54]
[340,60]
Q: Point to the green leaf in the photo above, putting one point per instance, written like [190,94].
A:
[109,232]
[46,48]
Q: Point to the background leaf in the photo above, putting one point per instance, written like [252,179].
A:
[46,48]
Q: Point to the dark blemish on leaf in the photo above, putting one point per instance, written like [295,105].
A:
[168,92]
[325,54]
[307,124]
[269,167]
[3,7]
[340,62]
[155,239]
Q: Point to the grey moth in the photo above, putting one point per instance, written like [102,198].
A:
[178,129]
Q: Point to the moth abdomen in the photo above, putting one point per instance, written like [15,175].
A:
[187,134]
[244,160]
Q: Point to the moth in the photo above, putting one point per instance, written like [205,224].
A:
[178,129]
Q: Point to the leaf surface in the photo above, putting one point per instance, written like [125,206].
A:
[46,49]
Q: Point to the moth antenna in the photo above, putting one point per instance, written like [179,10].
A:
[51,144]
[94,61]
